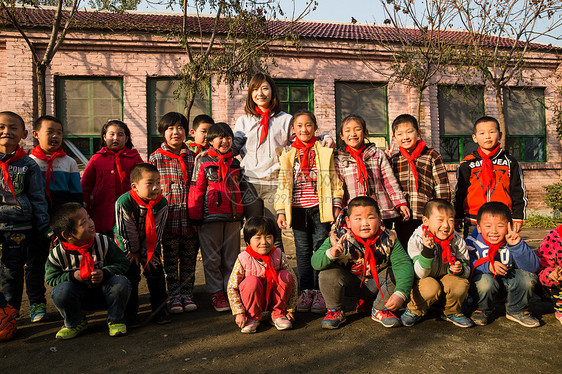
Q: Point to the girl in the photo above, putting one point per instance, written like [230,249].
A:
[106,176]
[308,191]
[550,275]
[262,279]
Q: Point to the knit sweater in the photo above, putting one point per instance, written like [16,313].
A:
[550,254]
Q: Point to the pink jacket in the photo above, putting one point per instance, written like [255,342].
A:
[101,185]
[550,254]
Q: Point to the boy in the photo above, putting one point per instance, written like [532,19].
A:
[489,174]
[441,266]
[216,210]
[346,266]
[175,161]
[23,215]
[84,272]
[199,129]
[420,171]
[499,257]
[140,218]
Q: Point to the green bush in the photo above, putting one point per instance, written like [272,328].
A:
[554,196]
[542,222]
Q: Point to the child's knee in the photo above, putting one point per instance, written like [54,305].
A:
[251,283]
[522,280]
[486,284]
[62,293]
[120,285]
[285,277]
[429,288]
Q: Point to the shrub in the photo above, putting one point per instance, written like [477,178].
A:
[554,196]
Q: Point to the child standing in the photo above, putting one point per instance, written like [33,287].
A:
[365,260]
[550,276]
[199,128]
[106,176]
[489,174]
[262,279]
[499,257]
[84,271]
[216,209]
[309,191]
[420,171]
[441,266]
[175,161]
[140,218]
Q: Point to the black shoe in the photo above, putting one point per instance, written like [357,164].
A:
[162,318]
[133,322]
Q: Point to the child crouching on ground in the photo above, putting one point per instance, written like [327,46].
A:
[550,276]
[441,265]
[84,271]
[365,260]
[262,279]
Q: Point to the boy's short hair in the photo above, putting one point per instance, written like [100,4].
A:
[219,129]
[363,201]
[202,118]
[439,204]
[304,112]
[14,115]
[494,208]
[259,225]
[171,119]
[485,119]
[405,118]
[62,218]
[39,121]
[138,169]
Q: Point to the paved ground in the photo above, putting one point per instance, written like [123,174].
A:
[207,341]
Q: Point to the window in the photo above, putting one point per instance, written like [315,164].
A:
[295,95]
[161,99]
[525,123]
[369,100]
[459,108]
[84,105]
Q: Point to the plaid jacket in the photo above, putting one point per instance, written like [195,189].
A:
[382,184]
[174,188]
[432,179]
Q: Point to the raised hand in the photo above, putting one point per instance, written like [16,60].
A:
[512,238]
[426,239]
[337,249]
[390,152]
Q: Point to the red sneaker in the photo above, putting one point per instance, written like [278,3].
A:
[219,302]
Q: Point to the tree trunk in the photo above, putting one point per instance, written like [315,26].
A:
[501,115]
[40,71]
[188,106]
[419,103]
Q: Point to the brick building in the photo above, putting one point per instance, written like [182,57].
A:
[123,66]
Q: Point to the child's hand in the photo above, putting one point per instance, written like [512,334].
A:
[133,257]
[97,276]
[556,275]
[328,142]
[517,226]
[201,154]
[427,240]
[390,152]
[512,238]
[500,269]
[337,249]
[282,221]
[290,316]
[394,302]
[405,212]
[77,276]
[456,268]
[241,319]
[153,263]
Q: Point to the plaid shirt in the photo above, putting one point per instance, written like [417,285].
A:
[432,179]
[174,188]
[382,184]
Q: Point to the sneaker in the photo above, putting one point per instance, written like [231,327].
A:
[281,323]
[8,326]
[219,302]
[37,312]
[305,301]
[524,319]
[458,319]
[71,332]
[175,306]
[409,318]
[558,316]
[479,318]
[117,329]
[188,304]
[333,320]
[364,306]
[385,317]
[318,304]
[250,327]
[162,318]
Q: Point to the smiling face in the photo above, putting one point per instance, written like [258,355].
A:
[11,132]
[222,144]
[115,138]
[84,229]
[441,222]
[352,134]
[304,128]
[200,135]
[148,186]
[487,135]
[262,95]
[262,243]
[364,221]
[493,227]
[175,136]
[49,136]
[406,136]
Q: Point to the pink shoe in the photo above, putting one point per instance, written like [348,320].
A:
[558,316]
[219,302]
[250,327]
[282,323]
[304,302]
[318,304]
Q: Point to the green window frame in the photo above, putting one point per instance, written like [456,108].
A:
[161,99]
[84,105]
[370,101]
[295,95]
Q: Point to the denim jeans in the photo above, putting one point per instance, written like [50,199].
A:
[71,298]
[156,282]
[309,234]
[518,283]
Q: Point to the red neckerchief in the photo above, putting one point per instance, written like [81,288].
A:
[487,173]
[87,264]
[412,158]
[180,158]
[492,251]
[40,154]
[198,146]
[361,170]
[370,258]
[270,273]
[445,246]
[18,155]
[263,124]
[303,161]
[223,167]
[150,225]
[118,170]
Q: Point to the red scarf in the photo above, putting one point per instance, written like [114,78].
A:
[412,158]
[370,259]
[198,146]
[223,167]
[492,251]
[40,154]
[270,273]
[87,263]
[180,158]
[118,170]
[361,170]
[304,160]
[150,225]
[445,246]
[6,174]
[263,124]
[487,173]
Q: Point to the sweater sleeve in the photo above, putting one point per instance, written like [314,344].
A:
[524,257]
[422,264]
[320,259]
[550,246]
[292,303]
[35,185]
[54,273]
[115,261]
[461,189]
[125,230]
[239,137]
[233,291]
[74,182]
[283,194]
[88,182]
[391,185]
[336,185]
[518,192]
[442,188]
[460,251]
[402,269]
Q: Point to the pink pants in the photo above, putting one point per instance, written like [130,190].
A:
[252,293]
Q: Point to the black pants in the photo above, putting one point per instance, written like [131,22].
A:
[156,286]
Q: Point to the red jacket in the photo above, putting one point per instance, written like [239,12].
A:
[101,185]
